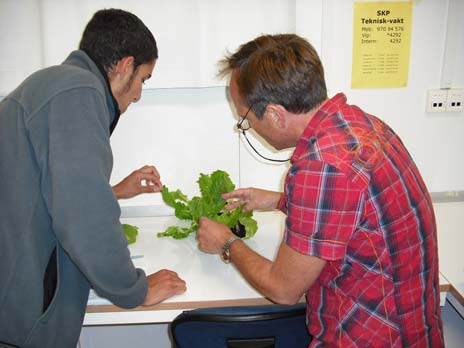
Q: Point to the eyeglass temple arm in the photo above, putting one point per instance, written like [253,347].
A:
[256,151]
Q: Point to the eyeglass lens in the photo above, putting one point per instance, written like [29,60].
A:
[243,123]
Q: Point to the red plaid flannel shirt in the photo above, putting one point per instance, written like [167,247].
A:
[354,197]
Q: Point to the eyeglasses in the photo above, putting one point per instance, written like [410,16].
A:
[243,125]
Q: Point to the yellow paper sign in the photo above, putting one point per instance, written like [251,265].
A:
[381,44]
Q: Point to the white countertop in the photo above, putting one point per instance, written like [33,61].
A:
[208,278]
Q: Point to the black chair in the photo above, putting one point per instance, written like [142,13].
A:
[6,345]
[267,326]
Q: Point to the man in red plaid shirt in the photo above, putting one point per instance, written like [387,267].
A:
[360,235]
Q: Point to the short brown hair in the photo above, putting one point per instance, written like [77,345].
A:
[279,69]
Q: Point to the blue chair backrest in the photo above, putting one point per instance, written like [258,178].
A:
[268,326]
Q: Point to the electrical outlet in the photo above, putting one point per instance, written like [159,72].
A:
[436,100]
[455,100]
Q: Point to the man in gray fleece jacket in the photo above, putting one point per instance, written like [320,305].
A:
[60,233]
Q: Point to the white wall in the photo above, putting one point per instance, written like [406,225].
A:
[183,132]
[187,130]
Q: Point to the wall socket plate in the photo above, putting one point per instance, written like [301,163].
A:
[436,100]
[445,100]
[455,100]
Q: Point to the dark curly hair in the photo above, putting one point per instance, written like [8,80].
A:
[113,34]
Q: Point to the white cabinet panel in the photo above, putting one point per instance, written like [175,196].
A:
[192,36]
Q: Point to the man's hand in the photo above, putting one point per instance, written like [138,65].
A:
[162,285]
[253,198]
[133,185]
[212,236]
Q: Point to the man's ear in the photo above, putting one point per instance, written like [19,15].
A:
[277,114]
[125,67]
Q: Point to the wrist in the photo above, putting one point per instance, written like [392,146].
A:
[116,191]
[225,256]
[282,202]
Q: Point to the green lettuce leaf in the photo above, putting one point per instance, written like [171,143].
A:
[251,226]
[178,201]
[177,232]
[209,204]
[130,232]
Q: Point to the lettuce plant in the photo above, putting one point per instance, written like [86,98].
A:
[209,204]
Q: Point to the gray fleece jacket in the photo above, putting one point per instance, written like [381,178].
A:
[57,207]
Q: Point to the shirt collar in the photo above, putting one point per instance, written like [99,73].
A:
[85,60]
[329,107]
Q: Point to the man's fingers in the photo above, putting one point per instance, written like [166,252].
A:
[236,194]
[162,285]
[232,205]
[150,170]
[149,188]
[150,180]
[168,278]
